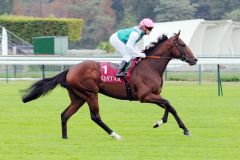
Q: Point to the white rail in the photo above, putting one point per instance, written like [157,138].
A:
[60,60]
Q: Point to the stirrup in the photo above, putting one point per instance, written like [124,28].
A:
[121,74]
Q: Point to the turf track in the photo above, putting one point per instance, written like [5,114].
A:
[32,131]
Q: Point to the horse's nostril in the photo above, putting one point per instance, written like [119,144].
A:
[195,59]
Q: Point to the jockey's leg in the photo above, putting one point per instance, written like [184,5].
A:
[120,47]
[121,69]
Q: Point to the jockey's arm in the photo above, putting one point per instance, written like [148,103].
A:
[132,49]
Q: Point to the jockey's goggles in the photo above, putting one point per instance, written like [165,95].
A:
[149,28]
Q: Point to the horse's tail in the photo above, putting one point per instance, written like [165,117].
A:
[44,86]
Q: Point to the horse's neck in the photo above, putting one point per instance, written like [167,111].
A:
[159,65]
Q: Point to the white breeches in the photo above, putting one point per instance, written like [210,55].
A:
[120,47]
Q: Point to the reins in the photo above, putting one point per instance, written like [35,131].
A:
[156,57]
[153,57]
[180,49]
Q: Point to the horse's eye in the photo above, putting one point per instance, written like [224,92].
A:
[182,44]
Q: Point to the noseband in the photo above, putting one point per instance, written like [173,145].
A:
[181,49]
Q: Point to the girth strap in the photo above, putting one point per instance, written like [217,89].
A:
[128,89]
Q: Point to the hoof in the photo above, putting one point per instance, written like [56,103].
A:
[116,136]
[186,133]
[156,126]
[64,137]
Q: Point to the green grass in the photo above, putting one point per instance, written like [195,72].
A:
[229,76]
[34,71]
[32,131]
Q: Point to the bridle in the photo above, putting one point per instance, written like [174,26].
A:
[180,48]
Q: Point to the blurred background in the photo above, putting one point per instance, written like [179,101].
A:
[101,18]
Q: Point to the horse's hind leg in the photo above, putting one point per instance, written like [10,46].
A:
[95,116]
[75,104]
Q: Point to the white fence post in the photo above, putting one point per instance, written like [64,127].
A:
[4,42]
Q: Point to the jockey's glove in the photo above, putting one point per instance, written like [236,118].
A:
[142,55]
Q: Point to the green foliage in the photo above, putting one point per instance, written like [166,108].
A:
[102,18]
[130,16]
[118,7]
[28,27]
[219,8]
[171,10]
[106,46]
[6,6]
[174,10]
[161,10]
[142,8]
[206,76]
[128,20]
[214,9]
[75,27]
[230,79]
[99,20]
[233,15]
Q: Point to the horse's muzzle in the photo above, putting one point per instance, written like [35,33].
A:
[193,61]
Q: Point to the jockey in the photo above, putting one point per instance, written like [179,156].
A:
[124,41]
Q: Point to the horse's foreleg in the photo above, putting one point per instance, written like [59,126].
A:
[174,113]
[76,103]
[154,98]
[95,116]
[163,120]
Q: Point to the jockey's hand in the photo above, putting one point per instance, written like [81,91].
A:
[142,55]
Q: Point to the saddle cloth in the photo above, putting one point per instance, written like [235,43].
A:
[108,71]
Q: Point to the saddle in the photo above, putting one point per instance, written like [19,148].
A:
[108,71]
[108,74]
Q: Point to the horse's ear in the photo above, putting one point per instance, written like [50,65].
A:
[177,35]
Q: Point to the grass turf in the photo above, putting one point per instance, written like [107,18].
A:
[32,131]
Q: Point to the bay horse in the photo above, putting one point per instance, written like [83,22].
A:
[83,83]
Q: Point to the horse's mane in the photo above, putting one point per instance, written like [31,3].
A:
[154,45]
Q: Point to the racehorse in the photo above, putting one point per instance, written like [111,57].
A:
[83,83]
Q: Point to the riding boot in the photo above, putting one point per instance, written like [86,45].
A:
[121,72]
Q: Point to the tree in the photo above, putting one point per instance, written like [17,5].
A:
[33,8]
[219,8]
[233,15]
[134,11]
[173,10]
[55,8]
[98,15]
[214,9]
[6,6]
[118,7]
[142,8]
[99,20]
[202,9]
